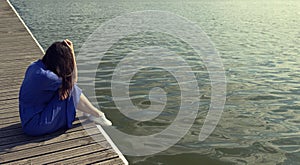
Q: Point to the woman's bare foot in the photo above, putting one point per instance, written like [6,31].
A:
[102,120]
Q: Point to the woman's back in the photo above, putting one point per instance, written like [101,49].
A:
[39,85]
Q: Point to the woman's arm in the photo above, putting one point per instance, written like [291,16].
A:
[70,44]
[75,71]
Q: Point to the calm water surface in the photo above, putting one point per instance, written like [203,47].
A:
[259,43]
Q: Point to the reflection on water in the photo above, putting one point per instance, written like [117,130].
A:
[146,79]
[259,44]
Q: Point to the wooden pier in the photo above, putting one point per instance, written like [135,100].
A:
[18,48]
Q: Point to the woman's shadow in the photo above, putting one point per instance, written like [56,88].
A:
[12,137]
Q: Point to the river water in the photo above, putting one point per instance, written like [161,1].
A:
[259,43]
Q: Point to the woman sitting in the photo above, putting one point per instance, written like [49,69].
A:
[49,96]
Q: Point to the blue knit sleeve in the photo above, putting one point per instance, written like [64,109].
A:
[49,80]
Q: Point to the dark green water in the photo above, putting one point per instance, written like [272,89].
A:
[259,43]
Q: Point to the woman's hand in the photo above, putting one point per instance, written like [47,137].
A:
[70,45]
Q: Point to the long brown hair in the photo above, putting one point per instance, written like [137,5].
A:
[59,59]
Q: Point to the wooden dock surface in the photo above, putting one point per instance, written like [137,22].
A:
[18,49]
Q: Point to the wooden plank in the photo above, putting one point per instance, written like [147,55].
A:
[23,59]
[14,85]
[10,120]
[23,137]
[6,14]
[11,132]
[9,102]
[14,49]
[62,135]
[9,112]
[40,151]
[17,130]
[9,96]
[5,72]
[13,108]
[83,148]
[9,91]
[9,115]
[8,126]
[14,68]
[8,34]
[10,106]
[115,161]
[20,42]
[4,78]
[58,136]
[10,20]
[75,132]
[90,158]
[16,52]
[6,102]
